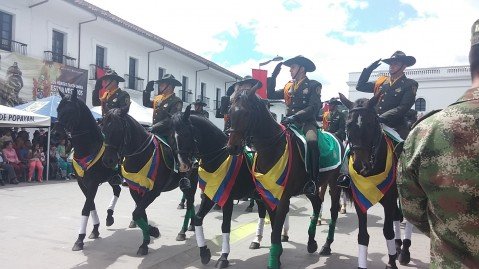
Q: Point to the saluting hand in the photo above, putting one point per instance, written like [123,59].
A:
[149,86]
[277,69]
[374,65]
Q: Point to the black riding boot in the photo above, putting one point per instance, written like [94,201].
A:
[344,181]
[311,186]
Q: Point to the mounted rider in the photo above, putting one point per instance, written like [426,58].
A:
[114,97]
[199,109]
[164,105]
[398,93]
[302,98]
[336,121]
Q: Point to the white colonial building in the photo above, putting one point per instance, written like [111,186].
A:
[79,34]
[438,86]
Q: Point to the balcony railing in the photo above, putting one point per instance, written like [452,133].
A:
[51,56]
[13,46]
[205,99]
[188,96]
[134,83]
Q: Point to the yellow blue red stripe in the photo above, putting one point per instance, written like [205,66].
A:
[83,164]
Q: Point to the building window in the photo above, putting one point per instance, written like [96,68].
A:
[132,73]
[420,104]
[57,46]
[203,91]
[184,89]
[5,31]
[100,56]
[161,72]
[218,98]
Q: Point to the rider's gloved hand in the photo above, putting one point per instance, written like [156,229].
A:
[149,86]
[288,120]
[374,65]
[277,69]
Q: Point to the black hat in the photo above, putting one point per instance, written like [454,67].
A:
[475,33]
[401,57]
[247,79]
[199,102]
[170,79]
[230,90]
[334,101]
[301,61]
[111,74]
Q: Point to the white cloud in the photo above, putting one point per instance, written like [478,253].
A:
[439,37]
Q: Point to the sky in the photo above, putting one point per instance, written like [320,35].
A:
[339,36]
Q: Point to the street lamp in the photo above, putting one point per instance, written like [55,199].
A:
[275,59]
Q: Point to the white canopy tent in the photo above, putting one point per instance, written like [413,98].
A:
[141,114]
[12,117]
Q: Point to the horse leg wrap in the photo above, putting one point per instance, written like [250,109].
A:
[94,217]
[363,256]
[113,201]
[286,225]
[391,244]
[397,229]
[83,224]
[408,230]
[200,237]
[312,225]
[186,220]
[145,229]
[259,231]
[225,247]
[332,227]
[274,254]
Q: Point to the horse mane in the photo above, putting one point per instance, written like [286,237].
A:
[201,123]
[85,113]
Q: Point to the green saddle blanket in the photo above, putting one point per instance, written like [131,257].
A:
[329,147]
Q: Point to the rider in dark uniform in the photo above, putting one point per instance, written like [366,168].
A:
[114,97]
[336,120]
[398,93]
[302,98]
[164,105]
[199,109]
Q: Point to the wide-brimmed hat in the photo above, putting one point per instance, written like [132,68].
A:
[170,79]
[475,33]
[334,101]
[230,90]
[401,57]
[199,102]
[111,74]
[247,79]
[301,61]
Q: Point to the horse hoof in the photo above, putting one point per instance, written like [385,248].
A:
[342,211]
[132,224]
[205,255]
[109,221]
[254,245]
[181,237]
[222,263]
[404,257]
[325,251]
[191,228]
[312,246]
[181,206]
[154,232]
[77,246]
[94,235]
[249,209]
[388,266]
[142,250]
[284,238]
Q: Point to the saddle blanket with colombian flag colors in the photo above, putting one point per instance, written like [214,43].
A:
[217,185]
[271,184]
[144,180]
[367,191]
[81,165]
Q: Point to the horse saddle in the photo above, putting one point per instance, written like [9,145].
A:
[329,147]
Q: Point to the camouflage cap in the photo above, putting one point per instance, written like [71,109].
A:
[475,33]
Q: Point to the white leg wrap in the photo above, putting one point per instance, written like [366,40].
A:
[397,229]
[225,248]
[113,201]
[83,223]
[391,247]
[363,256]
[408,230]
[200,236]
[286,225]
[94,217]
[259,231]
[342,198]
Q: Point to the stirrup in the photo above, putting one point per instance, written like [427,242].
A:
[344,181]
[310,188]
[184,184]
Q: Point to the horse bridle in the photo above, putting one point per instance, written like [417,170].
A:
[372,158]
[70,129]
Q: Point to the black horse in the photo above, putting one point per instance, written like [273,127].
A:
[75,117]
[144,164]
[251,118]
[373,169]
[197,137]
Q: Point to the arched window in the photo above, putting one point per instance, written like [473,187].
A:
[420,104]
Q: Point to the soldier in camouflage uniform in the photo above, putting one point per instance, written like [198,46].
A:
[398,93]
[114,97]
[303,100]
[438,176]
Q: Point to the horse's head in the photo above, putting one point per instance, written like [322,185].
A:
[69,113]
[242,115]
[115,132]
[364,132]
[186,142]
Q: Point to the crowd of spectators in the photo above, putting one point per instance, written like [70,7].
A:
[24,160]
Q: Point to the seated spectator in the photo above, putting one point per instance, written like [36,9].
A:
[35,162]
[6,136]
[65,167]
[23,134]
[53,157]
[11,158]
[22,148]
[8,175]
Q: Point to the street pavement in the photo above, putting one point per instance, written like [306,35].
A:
[39,223]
